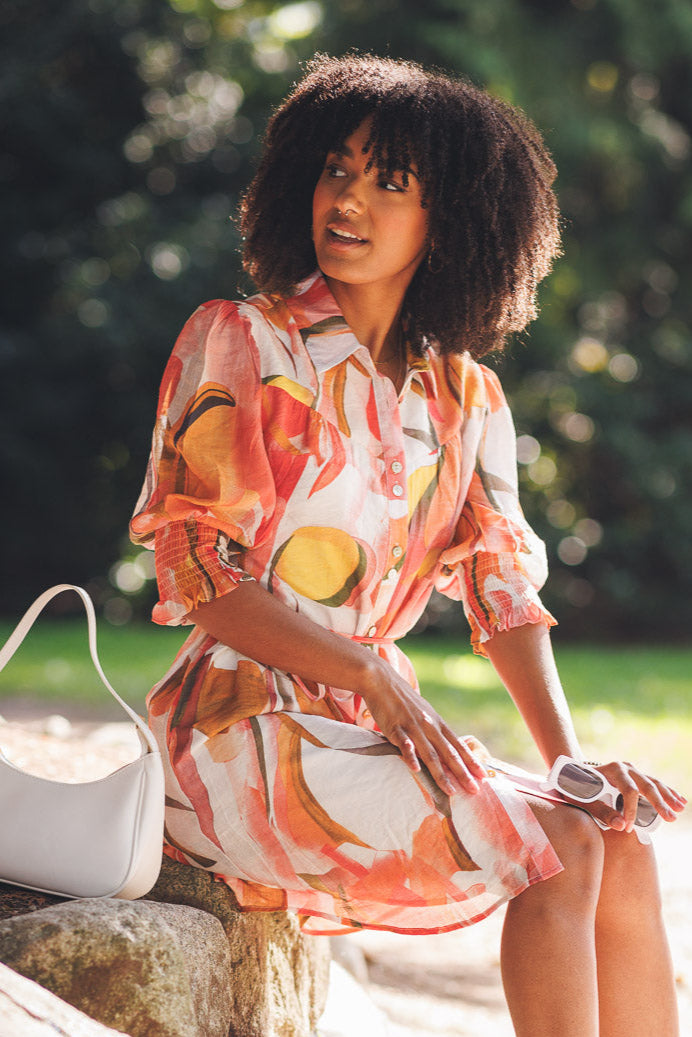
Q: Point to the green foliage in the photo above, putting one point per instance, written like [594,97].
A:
[129,130]
[130,127]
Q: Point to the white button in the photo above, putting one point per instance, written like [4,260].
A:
[372,631]
[397,489]
[397,467]
[397,551]
[391,574]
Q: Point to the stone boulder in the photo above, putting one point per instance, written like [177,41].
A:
[146,969]
[27,1010]
[182,962]
[279,978]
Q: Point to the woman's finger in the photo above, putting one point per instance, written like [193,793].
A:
[607,815]
[464,769]
[665,800]
[406,747]
[467,755]
[446,765]
[630,801]
[633,784]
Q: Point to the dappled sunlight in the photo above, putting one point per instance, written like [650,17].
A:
[469,671]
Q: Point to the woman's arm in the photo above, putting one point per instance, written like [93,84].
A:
[255,623]
[525,663]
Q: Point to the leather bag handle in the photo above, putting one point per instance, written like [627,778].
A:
[29,618]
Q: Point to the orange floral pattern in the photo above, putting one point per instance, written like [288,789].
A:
[281,455]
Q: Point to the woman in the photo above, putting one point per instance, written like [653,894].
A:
[327,452]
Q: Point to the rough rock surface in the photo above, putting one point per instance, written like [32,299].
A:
[27,1010]
[150,970]
[279,978]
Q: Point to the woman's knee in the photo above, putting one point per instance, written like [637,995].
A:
[630,887]
[577,841]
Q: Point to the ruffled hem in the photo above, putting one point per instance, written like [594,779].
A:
[499,594]
[531,612]
[194,565]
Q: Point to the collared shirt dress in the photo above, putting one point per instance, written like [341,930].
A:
[281,455]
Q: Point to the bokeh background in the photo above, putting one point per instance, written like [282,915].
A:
[128,130]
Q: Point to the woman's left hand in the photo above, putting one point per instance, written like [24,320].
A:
[633,783]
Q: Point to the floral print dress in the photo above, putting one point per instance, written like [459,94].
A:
[281,455]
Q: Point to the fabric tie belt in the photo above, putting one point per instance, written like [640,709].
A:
[371,640]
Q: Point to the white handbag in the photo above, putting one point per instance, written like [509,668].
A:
[99,838]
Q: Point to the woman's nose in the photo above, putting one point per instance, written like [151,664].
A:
[350,197]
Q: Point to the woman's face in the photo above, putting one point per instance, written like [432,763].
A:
[368,228]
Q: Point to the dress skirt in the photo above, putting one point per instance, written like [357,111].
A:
[316,812]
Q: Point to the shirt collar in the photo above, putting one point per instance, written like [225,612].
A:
[323,328]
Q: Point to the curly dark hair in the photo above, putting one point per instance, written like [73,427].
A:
[486,180]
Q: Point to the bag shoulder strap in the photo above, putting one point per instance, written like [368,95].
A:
[29,618]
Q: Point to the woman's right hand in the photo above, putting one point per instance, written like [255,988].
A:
[260,626]
[409,722]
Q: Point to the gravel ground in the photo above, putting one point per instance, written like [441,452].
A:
[424,986]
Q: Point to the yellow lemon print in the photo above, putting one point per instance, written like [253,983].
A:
[321,563]
[422,482]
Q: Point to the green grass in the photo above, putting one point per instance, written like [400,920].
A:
[54,662]
[631,701]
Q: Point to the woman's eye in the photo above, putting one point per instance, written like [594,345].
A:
[333,171]
[391,185]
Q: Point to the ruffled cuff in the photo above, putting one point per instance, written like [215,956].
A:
[194,564]
[498,594]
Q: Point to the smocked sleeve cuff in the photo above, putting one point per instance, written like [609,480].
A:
[194,564]
[499,595]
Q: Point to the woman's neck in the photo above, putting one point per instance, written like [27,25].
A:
[373,313]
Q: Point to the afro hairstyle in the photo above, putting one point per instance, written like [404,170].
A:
[486,176]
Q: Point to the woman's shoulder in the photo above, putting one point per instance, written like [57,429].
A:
[233,323]
[258,307]
[470,382]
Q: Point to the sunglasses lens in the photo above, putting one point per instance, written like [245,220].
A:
[576,782]
[646,814]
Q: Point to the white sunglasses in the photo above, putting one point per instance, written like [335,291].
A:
[584,784]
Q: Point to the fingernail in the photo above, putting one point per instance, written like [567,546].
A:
[618,823]
[472,786]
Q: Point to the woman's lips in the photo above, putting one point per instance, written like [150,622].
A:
[344,236]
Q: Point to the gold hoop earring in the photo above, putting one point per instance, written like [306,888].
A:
[434,261]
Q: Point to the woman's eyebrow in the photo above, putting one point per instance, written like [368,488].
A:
[342,150]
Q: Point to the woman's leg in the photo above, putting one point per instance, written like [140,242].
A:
[548,943]
[635,974]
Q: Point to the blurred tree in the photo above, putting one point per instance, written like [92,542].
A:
[130,127]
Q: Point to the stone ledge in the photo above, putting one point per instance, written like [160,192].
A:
[279,977]
[183,962]
[149,970]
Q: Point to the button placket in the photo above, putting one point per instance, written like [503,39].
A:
[392,443]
